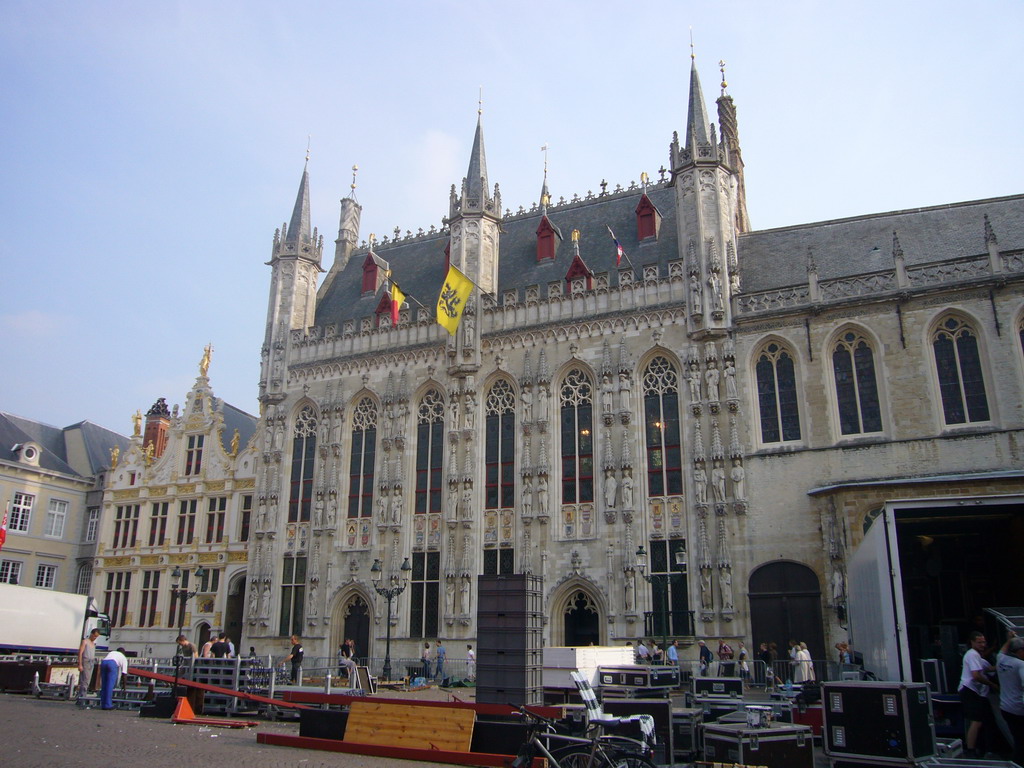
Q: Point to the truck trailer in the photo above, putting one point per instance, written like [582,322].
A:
[42,621]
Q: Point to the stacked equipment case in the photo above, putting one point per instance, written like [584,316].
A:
[510,638]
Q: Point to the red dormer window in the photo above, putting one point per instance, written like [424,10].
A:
[382,313]
[371,274]
[648,219]
[577,275]
[547,240]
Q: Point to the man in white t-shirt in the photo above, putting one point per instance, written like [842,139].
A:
[1010,668]
[974,686]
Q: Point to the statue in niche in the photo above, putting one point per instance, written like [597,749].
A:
[725,582]
[838,587]
[464,596]
[630,587]
[449,596]
[467,503]
[312,610]
[730,381]
[610,486]
[527,400]
[396,508]
[254,599]
[627,489]
[607,393]
[737,474]
[527,496]
[624,392]
[542,402]
[696,304]
[718,480]
[453,502]
[469,323]
[382,507]
[693,377]
[318,513]
[470,410]
[715,283]
[542,494]
[265,601]
[707,601]
[700,485]
[713,376]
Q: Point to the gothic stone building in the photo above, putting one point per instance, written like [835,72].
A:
[180,497]
[739,404]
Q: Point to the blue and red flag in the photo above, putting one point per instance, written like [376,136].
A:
[619,253]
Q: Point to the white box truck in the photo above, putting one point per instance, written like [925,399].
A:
[42,621]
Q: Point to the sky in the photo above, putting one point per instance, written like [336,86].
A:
[150,150]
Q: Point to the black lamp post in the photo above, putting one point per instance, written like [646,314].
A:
[389,589]
[663,579]
[182,596]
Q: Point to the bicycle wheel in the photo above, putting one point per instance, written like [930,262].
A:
[574,757]
[631,761]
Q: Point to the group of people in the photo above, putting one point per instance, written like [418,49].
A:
[978,677]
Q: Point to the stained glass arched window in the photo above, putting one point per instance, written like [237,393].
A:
[958,366]
[362,464]
[577,438]
[853,366]
[300,496]
[661,428]
[777,395]
[500,446]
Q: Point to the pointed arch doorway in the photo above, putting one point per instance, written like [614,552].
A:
[581,620]
[352,619]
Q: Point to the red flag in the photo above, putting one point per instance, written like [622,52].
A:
[3,525]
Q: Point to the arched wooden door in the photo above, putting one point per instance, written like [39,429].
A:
[785,604]
[582,620]
[357,626]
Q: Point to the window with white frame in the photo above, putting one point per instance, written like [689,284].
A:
[46,575]
[56,516]
[10,572]
[92,525]
[21,512]
[84,581]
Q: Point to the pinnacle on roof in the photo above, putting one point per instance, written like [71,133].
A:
[698,126]
[476,176]
[299,228]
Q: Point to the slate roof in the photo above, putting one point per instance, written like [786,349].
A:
[236,418]
[418,265]
[776,258]
[53,454]
[768,259]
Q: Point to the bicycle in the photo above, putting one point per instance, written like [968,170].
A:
[595,749]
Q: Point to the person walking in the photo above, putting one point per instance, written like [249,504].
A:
[440,654]
[425,659]
[86,664]
[470,663]
[114,665]
[705,658]
[295,657]
[975,682]
[1010,670]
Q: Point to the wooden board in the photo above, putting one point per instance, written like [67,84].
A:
[412,727]
[427,755]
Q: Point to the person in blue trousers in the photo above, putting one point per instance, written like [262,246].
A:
[114,665]
[440,654]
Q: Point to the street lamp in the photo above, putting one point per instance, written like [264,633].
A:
[182,596]
[389,589]
[663,579]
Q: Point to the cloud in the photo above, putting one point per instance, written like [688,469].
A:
[34,323]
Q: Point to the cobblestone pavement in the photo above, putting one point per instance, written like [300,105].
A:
[56,734]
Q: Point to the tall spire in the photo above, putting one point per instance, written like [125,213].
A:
[698,126]
[545,196]
[299,227]
[476,176]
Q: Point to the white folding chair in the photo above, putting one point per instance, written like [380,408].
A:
[596,715]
